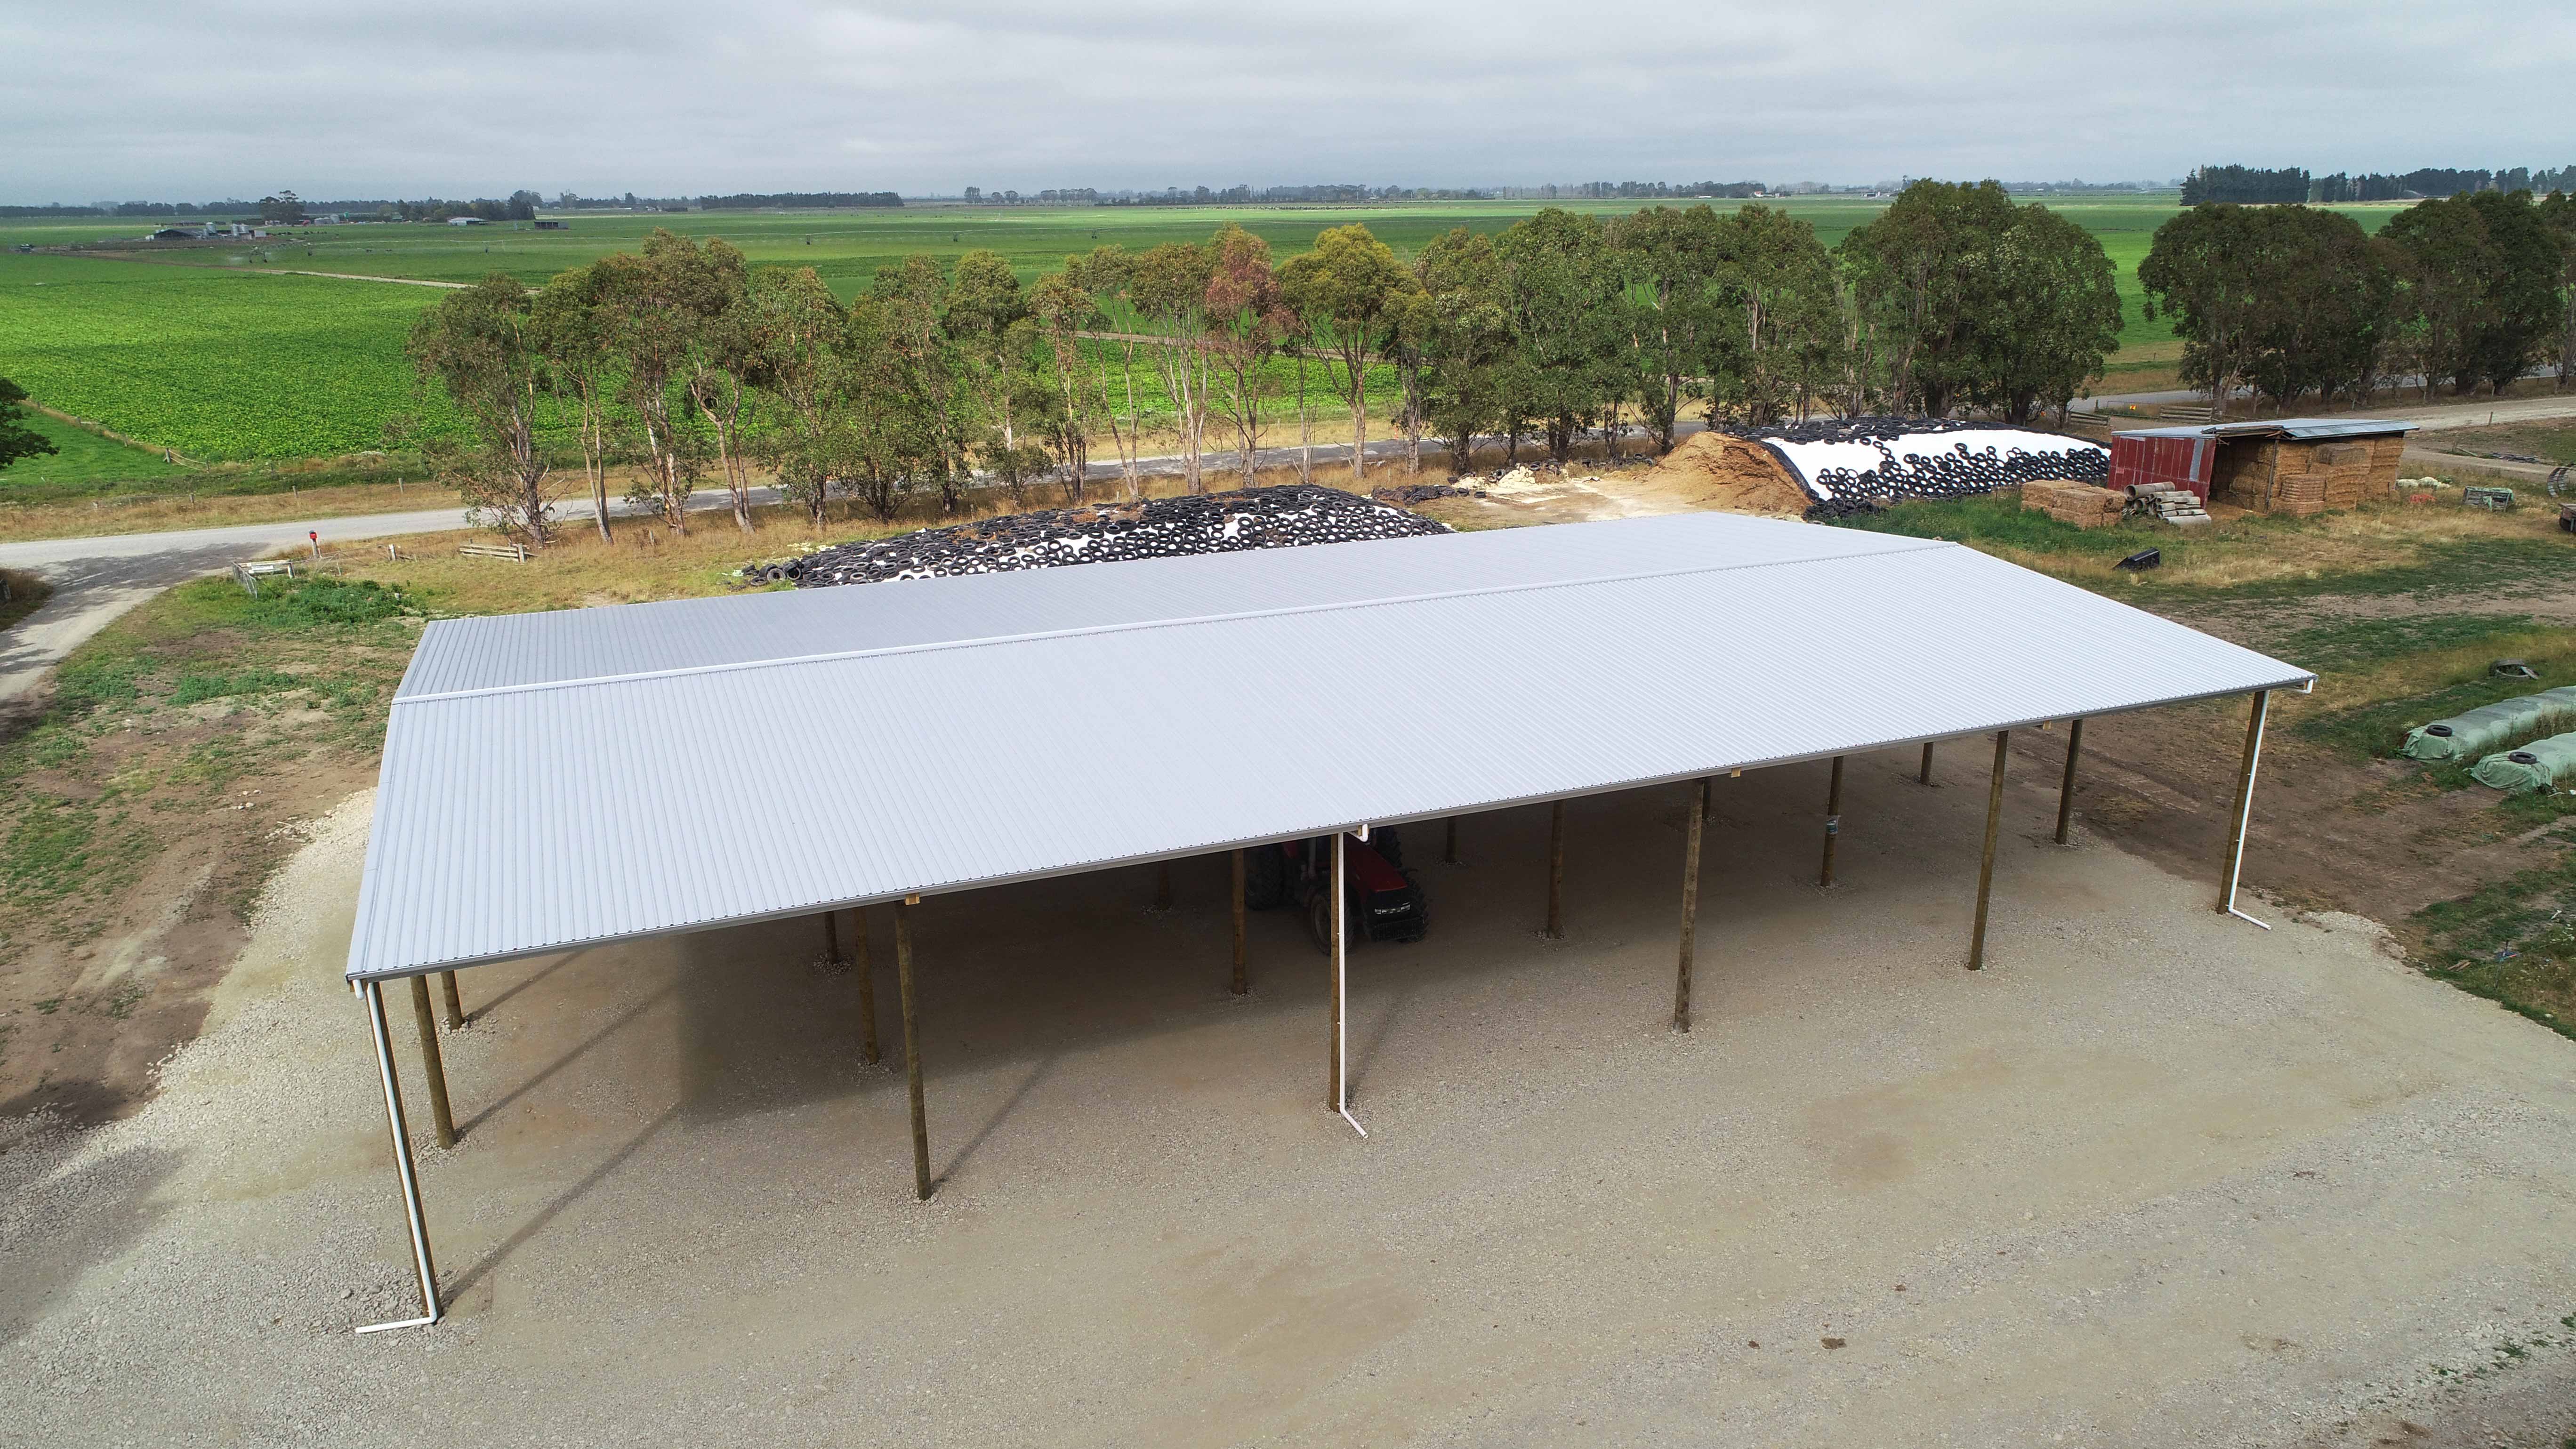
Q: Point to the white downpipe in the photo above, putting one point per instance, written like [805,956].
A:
[1341,983]
[373,993]
[2245,807]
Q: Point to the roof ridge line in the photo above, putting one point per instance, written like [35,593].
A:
[1920,546]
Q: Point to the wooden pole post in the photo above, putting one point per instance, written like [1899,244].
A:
[1555,929]
[431,1064]
[2244,811]
[1986,865]
[1833,822]
[1690,903]
[1925,778]
[1449,841]
[869,1055]
[912,1051]
[1162,885]
[455,1004]
[832,937]
[1240,984]
[2066,787]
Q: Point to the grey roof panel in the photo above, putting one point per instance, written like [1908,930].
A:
[514,649]
[513,820]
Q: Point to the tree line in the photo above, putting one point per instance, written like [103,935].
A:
[2289,301]
[2247,185]
[693,366]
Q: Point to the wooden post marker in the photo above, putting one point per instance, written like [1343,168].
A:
[1449,841]
[1162,885]
[912,1051]
[1240,984]
[2066,787]
[869,1055]
[1833,822]
[455,1004]
[1986,866]
[1555,928]
[1690,904]
[1925,778]
[432,1066]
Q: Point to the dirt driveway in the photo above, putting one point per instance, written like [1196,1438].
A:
[2157,1177]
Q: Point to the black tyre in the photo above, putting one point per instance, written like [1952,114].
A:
[1319,920]
[1265,878]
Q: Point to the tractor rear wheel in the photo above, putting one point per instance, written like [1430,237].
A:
[1319,920]
[1265,878]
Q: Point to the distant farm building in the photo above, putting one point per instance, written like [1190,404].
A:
[2297,466]
[554,226]
[465,221]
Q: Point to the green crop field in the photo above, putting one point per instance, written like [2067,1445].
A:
[217,365]
[189,348]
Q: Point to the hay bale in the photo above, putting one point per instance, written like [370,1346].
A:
[2068,500]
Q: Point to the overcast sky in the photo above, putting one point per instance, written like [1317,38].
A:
[115,99]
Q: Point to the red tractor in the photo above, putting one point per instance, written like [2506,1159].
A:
[1384,903]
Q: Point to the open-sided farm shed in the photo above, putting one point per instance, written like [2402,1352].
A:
[2297,466]
[526,806]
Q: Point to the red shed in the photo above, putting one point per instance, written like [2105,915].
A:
[2182,457]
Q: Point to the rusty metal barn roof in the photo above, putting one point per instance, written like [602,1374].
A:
[554,780]
[2300,429]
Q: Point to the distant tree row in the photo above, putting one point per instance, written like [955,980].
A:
[2246,185]
[800,200]
[2289,301]
[686,361]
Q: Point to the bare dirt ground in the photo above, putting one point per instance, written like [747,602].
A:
[2157,1177]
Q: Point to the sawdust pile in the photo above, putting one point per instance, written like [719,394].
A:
[1731,474]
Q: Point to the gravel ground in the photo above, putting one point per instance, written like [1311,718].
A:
[2155,1178]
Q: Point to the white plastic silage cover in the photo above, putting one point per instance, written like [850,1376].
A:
[1814,460]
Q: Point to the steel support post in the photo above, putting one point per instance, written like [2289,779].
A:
[2066,787]
[1986,864]
[373,994]
[431,1064]
[1341,1097]
[1697,822]
[912,1051]
[2243,814]
[1833,822]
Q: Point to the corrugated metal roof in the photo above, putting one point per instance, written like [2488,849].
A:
[915,738]
[2302,429]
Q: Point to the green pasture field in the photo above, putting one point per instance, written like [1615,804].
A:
[82,456]
[178,347]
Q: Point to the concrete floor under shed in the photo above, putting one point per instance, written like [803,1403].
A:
[2156,1176]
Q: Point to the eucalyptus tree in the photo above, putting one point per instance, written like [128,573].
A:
[1168,290]
[988,318]
[574,331]
[2051,316]
[1780,316]
[1461,329]
[1349,290]
[1247,319]
[1668,263]
[479,347]
[1565,296]
[799,337]
[1063,310]
[2485,271]
[926,366]
[1105,274]
[17,440]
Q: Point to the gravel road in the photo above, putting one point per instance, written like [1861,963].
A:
[2156,1177]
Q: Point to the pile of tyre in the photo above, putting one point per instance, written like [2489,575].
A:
[1854,465]
[1289,516]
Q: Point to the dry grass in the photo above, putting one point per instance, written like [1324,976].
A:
[26,593]
[155,513]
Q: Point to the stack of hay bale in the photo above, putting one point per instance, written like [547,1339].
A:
[2072,500]
[2300,478]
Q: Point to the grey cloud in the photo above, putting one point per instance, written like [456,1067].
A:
[364,97]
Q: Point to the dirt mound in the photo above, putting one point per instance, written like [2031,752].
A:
[1733,475]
